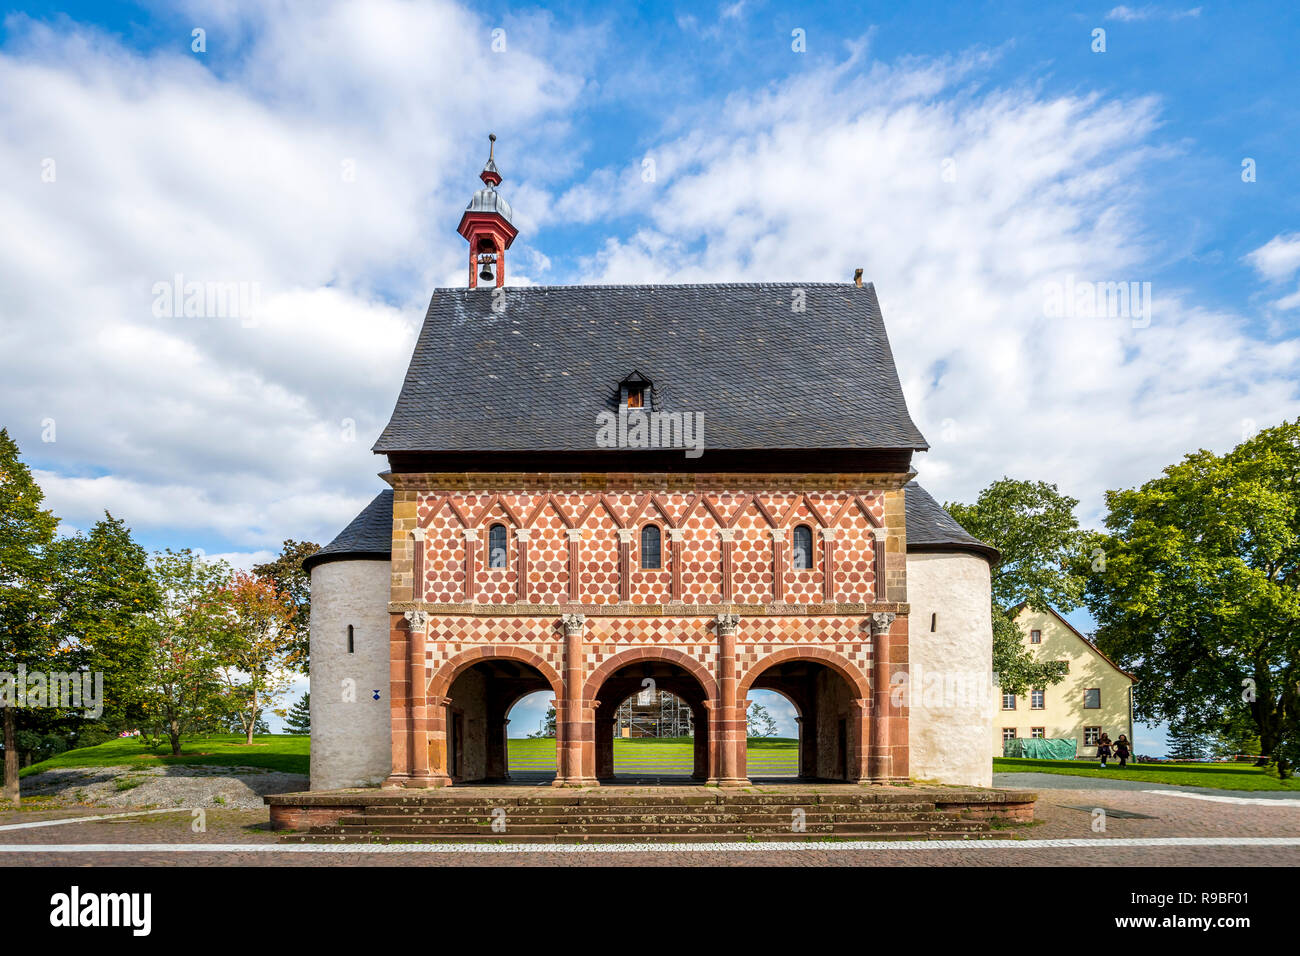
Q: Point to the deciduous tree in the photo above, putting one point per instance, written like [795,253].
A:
[1200,592]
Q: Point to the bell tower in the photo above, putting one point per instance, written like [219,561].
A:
[486,226]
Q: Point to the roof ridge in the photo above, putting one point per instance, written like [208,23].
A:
[666,285]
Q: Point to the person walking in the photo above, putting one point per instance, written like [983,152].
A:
[1122,750]
[1103,750]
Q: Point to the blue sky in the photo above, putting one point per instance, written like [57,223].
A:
[967,156]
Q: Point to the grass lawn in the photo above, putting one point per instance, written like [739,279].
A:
[1226,776]
[282,752]
[669,755]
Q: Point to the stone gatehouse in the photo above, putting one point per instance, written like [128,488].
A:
[780,543]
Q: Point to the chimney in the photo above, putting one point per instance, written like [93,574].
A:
[857,278]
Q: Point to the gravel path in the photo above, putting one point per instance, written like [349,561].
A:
[174,786]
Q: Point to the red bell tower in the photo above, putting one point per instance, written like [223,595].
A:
[486,226]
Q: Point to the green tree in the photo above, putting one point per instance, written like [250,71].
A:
[547,728]
[104,586]
[1198,594]
[1187,743]
[299,720]
[185,633]
[256,647]
[759,723]
[27,601]
[1043,551]
[291,581]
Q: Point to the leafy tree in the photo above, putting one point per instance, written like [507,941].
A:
[299,720]
[1043,553]
[104,586]
[291,581]
[759,723]
[547,728]
[185,635]
[27,602]
[256,648]
[1200,592]
[1187,743]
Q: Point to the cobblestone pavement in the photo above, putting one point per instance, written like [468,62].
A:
[1062,814]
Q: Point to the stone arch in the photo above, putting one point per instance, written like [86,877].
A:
[451,669]
[836,662]
[636,654]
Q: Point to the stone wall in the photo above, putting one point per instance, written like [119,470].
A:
[350,728]
[950,692]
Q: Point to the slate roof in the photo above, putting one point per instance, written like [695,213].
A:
[929,528]
[369,535]
[534,376]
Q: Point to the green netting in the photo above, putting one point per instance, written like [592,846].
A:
[1040,748]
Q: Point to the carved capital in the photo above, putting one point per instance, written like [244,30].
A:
[574,534]
[416,619]
[523,534]
[880,533]
[778,534]
[573,624]
[727,534]
[828,534]
[417,534]
[625,535]
[880,622]
[727,623]
[676,534]
[471,534]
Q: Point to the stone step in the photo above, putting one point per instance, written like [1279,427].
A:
[486,809]
[647,838]
[778,820]
[448,798]
[637,829]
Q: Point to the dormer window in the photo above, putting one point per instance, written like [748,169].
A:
[635,391]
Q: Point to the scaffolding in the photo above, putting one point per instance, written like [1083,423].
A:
[660,714]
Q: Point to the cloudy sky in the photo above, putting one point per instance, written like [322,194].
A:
[973,161]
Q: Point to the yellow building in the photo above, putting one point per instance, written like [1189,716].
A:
[1095,697]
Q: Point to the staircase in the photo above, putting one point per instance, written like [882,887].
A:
[596,817]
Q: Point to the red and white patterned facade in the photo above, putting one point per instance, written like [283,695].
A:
[574,603]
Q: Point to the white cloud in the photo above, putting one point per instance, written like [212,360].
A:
[1278,259]
[316,165]
[1134,14]
[840,168]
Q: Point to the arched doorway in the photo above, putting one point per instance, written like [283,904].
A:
[772,723]
[633,676]
[470,701]
[831,696]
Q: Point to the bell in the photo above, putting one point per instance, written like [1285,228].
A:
[486,273]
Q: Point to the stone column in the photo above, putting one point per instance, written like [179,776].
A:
[879,764]
[625,565]
[778,565]
[575,567]
[417,565]
[471,562]
[521,564]
[675,536]
[878,563]
[729,719]
[399,699]
[578,715]
[423,746]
